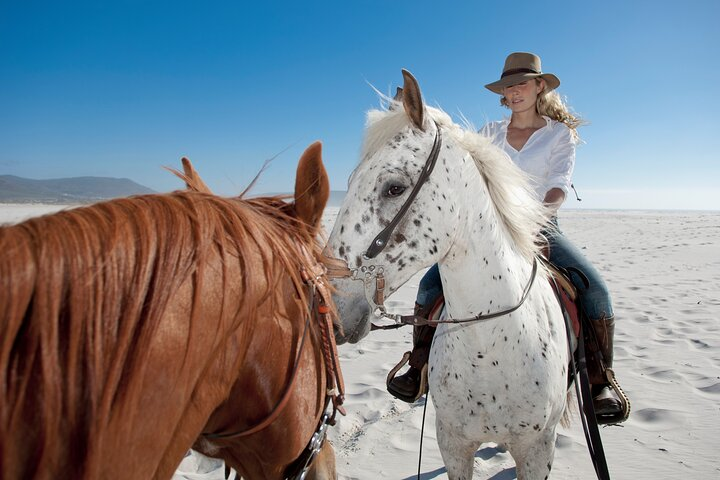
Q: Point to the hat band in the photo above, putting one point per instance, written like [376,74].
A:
[513,71]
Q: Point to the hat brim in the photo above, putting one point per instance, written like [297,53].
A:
[496,87]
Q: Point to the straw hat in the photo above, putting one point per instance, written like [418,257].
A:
[520,67]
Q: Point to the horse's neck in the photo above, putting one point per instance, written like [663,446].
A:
[482,272]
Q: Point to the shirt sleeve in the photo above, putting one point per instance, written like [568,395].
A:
[562,161]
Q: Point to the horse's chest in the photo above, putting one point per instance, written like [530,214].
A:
[495,380]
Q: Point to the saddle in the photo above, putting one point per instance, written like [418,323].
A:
[589,356]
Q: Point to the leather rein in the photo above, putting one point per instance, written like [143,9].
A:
[318,310]
[368,272]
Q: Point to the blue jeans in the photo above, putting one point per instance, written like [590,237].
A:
[595,299]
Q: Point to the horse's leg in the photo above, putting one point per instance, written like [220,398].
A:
[534,455]
[323,466]
[458,453]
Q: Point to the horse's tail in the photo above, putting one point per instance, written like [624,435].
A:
[567,415]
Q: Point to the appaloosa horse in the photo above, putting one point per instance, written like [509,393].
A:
[132,329]
[428,191]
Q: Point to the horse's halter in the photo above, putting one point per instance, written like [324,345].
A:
[375,294]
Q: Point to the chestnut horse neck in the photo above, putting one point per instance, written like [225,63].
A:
[320,311]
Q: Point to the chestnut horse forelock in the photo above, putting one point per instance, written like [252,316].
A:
[84,290]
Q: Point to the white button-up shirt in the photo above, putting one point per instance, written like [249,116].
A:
[548,156]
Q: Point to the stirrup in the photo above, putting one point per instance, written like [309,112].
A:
[401,396]
[624,412]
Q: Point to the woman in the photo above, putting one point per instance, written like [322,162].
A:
[540,137]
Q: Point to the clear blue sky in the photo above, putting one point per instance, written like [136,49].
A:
[122,88]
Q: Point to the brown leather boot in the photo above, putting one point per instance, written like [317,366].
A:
[606,401]
[411,385]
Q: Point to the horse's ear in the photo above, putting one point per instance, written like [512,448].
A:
[397,99]
[192,178]
[312,187]
[412,100]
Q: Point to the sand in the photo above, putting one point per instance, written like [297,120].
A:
[663,270]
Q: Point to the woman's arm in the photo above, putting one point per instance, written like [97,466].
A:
[560,168]
[554,198]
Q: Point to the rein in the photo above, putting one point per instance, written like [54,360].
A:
[318,309]
[402,320]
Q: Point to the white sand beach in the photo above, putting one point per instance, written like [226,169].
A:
[663,270]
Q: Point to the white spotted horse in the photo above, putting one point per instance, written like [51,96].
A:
[428,191]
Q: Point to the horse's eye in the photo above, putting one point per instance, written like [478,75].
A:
[394,191]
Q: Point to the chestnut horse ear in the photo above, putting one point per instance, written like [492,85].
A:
[312,187]
[412,100]
[192,178]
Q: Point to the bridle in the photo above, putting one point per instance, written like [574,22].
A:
[318,310]
[373,274]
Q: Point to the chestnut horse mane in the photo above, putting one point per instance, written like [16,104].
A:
[84,290]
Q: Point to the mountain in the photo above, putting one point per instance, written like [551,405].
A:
[66,190]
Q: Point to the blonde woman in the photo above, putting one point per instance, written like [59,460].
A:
[540,137]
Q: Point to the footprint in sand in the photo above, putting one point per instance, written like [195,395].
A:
[698,343]
[658,418]
[713,389]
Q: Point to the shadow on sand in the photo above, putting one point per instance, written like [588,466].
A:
[484,454]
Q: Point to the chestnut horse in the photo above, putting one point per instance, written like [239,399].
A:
[133,329]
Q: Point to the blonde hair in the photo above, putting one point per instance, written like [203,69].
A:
[550,104]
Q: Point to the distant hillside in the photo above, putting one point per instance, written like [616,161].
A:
[66,190]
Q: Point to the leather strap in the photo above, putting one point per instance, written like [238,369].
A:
[418,321]
[381,240]
[319,310]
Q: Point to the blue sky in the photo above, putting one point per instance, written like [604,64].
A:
[122,88]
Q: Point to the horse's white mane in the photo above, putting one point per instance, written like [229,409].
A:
[521,215]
